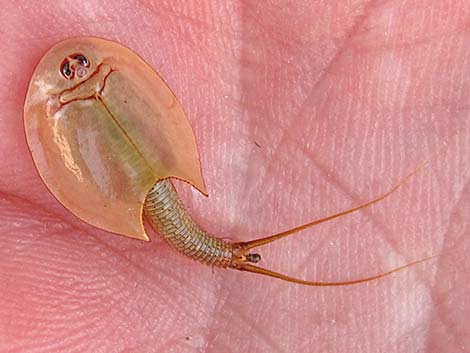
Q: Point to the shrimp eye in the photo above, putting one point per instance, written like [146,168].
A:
[82,59]
[66,70]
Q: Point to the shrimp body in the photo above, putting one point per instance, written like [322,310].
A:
[169,218]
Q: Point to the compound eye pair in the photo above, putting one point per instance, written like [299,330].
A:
[68,69]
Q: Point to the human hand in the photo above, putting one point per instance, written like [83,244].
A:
[299,111]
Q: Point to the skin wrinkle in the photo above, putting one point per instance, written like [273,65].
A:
[407,44]
[194,46]
[445,321]
[141,271]
[184,40]
[59,340]
[145,274]
[233,311]
[22,201]
[313,92]
[179,15]
[440,314]
[335,181]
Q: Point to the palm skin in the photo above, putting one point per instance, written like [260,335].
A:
[300,110]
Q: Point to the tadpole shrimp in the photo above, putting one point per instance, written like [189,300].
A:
[106,134]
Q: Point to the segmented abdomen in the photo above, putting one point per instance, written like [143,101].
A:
[170,220]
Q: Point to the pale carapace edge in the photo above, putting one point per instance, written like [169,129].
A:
[107,134]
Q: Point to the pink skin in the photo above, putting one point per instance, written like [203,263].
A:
[300,111]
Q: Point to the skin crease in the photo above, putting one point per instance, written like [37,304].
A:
[300,110]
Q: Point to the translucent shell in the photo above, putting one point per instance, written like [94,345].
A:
[103,127]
